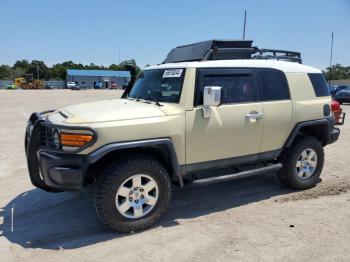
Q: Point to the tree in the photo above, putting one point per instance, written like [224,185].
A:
[8,73]
[337,72]
[4,71]
[58,71]
[22,64]
[115,67]
[39,70]
[16,73]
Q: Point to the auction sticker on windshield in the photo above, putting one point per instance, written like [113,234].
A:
[172,73]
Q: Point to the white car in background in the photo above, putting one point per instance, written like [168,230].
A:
[72,85]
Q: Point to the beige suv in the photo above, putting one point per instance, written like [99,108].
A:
[211,112]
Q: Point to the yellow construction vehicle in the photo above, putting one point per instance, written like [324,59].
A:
[27,82]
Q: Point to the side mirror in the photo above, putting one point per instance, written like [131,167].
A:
[211,97]
[124,86]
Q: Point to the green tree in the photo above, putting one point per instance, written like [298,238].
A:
[39,70]
[337,72]
[115,67]
[57,71]
[22,64]
[5,72]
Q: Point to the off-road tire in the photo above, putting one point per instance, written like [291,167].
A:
[112,177]
[287,175]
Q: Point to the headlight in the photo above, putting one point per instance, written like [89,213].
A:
[68,139]
[56,138]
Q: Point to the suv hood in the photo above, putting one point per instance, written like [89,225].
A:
[106,110]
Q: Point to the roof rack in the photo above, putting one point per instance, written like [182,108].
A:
[290,56]
[227,49]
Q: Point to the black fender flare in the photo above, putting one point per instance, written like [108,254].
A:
[329,122]
[167,142]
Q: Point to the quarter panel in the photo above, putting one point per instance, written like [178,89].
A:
[306,106]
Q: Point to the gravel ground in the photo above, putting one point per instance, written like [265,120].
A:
[252,219]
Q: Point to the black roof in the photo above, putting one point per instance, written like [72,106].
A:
[227,49]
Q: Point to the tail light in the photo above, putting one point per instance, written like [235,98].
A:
[337,111]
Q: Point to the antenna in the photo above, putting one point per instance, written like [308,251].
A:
[330,62]
[244,24]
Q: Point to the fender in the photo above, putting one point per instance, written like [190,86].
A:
[329,122]
[167,142]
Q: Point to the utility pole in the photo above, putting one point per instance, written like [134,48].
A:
[118,55]
[37,71]
[330,62]
[244,23]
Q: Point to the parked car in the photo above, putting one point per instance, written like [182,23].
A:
[343,95]
[191,114]
[11,86]
[48,86]
[98,85]
[336,88]
[71,85]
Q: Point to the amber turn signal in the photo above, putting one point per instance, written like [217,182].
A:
[75,140]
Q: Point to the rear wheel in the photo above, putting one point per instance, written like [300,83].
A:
[133,194]
[302,164]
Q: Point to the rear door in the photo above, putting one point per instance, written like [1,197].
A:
[228,134]
[275,96]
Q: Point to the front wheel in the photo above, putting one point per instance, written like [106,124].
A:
[132,195]
[302,164]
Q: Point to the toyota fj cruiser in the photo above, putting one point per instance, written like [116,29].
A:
[211,112]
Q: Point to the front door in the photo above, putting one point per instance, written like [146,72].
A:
[234,130]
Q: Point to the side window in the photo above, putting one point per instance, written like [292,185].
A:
[274,85]
[319,84]
[236,88]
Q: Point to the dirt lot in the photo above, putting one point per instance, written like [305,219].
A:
[251,219]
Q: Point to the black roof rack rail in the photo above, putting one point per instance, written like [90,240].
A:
[227,49]
[278,55]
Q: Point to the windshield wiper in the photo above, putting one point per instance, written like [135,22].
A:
[154,100]
[137,98]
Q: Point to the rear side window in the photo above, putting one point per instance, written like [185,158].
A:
[235,88]
[238,84]
[274,85]
[319,84]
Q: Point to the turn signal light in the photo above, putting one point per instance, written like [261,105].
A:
[75,140]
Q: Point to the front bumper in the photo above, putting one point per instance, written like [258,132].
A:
[62,172]
[50,169]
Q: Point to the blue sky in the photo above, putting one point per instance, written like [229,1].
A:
[91,31]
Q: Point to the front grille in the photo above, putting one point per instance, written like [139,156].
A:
[47,136]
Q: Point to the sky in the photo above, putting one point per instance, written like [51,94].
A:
[93,31]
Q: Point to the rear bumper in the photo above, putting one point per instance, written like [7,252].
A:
[334,135]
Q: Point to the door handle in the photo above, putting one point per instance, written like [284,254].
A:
[253,116]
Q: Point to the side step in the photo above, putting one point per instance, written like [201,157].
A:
[252,172]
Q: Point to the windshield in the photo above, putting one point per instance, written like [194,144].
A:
[163,85]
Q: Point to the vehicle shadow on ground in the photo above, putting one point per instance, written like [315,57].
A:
[37,219]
